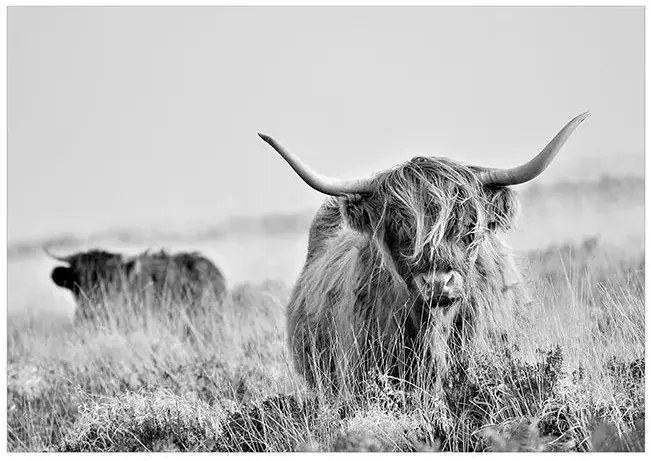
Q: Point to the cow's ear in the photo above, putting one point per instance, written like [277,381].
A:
[503,208]
[64,277]
[359,212]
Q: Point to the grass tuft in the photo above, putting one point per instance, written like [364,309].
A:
[144,421]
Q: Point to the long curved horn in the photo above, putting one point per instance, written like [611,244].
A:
[58,258]
[536,165]
[329,186]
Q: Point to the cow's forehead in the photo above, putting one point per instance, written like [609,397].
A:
[437,160]
[423,178]
[432,167]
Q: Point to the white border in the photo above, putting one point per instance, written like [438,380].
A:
[3,199]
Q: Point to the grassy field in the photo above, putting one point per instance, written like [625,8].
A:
[573,380]
[571,376]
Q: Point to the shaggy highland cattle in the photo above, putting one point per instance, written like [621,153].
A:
[96,277]
[405,268]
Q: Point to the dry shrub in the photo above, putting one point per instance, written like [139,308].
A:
[40,408]
[514,405]
[145,421]
[376,430]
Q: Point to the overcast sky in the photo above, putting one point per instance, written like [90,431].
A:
[141,117]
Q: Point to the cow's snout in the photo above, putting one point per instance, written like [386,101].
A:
[441,285]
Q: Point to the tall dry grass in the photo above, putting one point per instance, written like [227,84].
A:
[570,376]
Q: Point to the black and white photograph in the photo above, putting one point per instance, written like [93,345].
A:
[266,228]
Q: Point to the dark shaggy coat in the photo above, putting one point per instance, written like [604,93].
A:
[97,276]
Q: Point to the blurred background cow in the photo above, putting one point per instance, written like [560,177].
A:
[98,277]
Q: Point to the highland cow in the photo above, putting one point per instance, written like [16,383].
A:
[405,268]
[96,277]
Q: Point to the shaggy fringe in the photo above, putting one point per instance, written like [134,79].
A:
[438,200]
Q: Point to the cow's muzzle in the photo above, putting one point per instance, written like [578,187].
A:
[439,287]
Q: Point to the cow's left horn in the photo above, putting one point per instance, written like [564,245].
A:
[329,186]
[536,165]
[58,258]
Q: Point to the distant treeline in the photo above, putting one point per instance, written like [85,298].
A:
[604,190]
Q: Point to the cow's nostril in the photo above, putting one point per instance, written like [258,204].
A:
[448,279]
[453,284]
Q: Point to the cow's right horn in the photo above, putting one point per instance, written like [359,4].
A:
[329,186]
